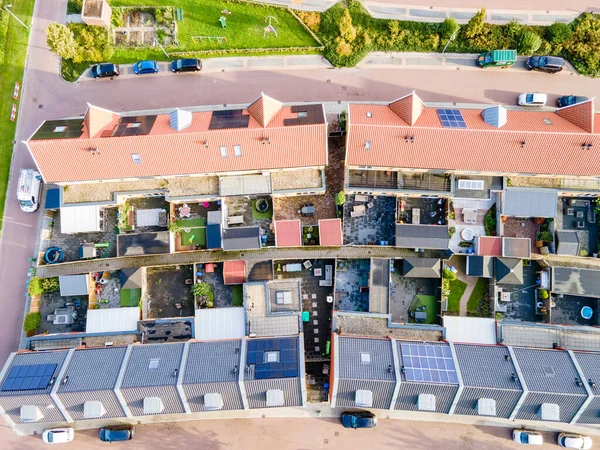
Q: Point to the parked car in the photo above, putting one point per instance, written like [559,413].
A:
[143,67]
[186,65]
[550,64]
[532,99]
[576,441]
[567,100]
[358,419]
[58,435]
[105,70]
[527,437]
[117,433]
[29,190]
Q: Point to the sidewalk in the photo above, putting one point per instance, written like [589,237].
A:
[233,64]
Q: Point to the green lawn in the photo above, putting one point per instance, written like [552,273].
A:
[11,70]
[244,28]
[457,289]
[130,297]
[238,295]
[477,296]
[196,236]
[189,223]
[425,300]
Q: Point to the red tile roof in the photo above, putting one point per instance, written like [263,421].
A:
[489,246]
[192,151]
[330,233]
[264,109]
[234,272]
[288,233]
[408,108]
[481,147]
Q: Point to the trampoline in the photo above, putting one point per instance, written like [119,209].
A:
[587,312]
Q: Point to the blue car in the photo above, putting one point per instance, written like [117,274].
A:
[142,67]
[358,419]
[117,433]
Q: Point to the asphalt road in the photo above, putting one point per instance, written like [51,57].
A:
[46,96]
[294,434]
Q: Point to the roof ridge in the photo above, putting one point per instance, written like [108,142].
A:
[494,130]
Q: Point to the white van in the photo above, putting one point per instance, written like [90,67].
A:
[29,190]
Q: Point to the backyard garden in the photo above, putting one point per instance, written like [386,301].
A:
[453,289]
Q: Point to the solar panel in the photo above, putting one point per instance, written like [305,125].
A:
[30,377]
[285,366]
[234,118]
[428,363]
[451,118]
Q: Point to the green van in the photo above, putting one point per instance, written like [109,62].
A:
[497,58]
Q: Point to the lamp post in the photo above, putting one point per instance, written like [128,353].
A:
[16,18]
[161,47]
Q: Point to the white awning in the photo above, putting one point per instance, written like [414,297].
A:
[219,323]
[80,219]
[476,330]
[112,319]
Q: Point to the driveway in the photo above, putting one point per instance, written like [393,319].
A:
[46,96]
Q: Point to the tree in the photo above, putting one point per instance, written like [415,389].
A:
[343,48]
[204,294]
[448,27]
[558,32]
[584,44]
[528,42]
[32,321]
[61,41]
[340,198]
[174,227]
[475,25]
[448,274]
[347,30]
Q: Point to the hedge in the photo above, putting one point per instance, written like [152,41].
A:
[32,321]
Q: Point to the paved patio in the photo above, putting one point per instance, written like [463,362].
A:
[223,293]
[286,208]
[242,206]
[522,228]
[52,301]
[165,289]
[522,297]
[197,210]
[403,291]
[432,211]
[459,204]
[352,277]
[110,295]
[568,310]
[317,331]
[377,226]
[588,235]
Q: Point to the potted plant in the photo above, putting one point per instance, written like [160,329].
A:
[543,294]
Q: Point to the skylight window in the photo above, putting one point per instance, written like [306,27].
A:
[60,129]
[368,145]
[238,150]
[134,125]
[547,121]
[136,158]
[271,357]
[302,115]
[365,358]
[369,114]
[223,151]
[153,365]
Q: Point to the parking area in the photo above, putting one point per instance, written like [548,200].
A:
[352,285]
[569,310]
[369,220]
[167,292]
[411,295]
[315,304]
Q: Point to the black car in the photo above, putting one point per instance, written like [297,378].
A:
[568,100]
[550,64]
[186,65]
[117,433]
[105,70]
[358,419]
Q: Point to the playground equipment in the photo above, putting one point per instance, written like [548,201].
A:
[54,255]
[270,28]
[223,21]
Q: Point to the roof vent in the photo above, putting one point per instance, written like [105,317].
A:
[275,397]
[363,399]
[507,357]
[549,371]
[591,383]
[365,358]
[93,150]
[547,121]
[368,145]
[486,407]
[369,114]
[213,401]
[494,116]
[30,413]
[180,119]
[153,405]
[93,410]
[426,402]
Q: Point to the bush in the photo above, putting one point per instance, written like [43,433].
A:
[50,284]
[528,42]
[558,32]
[448,27]
[117,19]
[340,198]
[61,40]
[93,45]
[475,26]
[512,29]
[311,19]
[204,295]
[489,221]
[347,30]
[448,274]
[32,321]
[158,15]
[35,286]
[583,47]
[545,236]
[174,227]
[343,48]
[74,6]
[543,294]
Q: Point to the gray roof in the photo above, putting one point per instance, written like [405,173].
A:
[408,396]
[138,373]
[210,369]
[486,367]
[480,266]
[379,351]
[422,236]
[71,285]
[256,391]
[528,202]
[242,238]
[515,247]
[590,365]
[568,243]
[494,116]
[581,282]
[421,268]
[548,371]
[379,285]
[131,278]
[509,271]
[11,401]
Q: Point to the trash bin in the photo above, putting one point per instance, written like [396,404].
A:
[305,316]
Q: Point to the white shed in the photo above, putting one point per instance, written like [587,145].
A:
[80,219]
[112,319]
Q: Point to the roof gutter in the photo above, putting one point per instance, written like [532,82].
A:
[7,365]
[181,374]
[513,415]
[588,389]
[242,372]
[119,382]
[336,369]
[301,372]
[461,385]
[397,373]
[58,383]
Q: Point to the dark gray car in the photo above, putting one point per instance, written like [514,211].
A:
[568,100]
[549,64]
